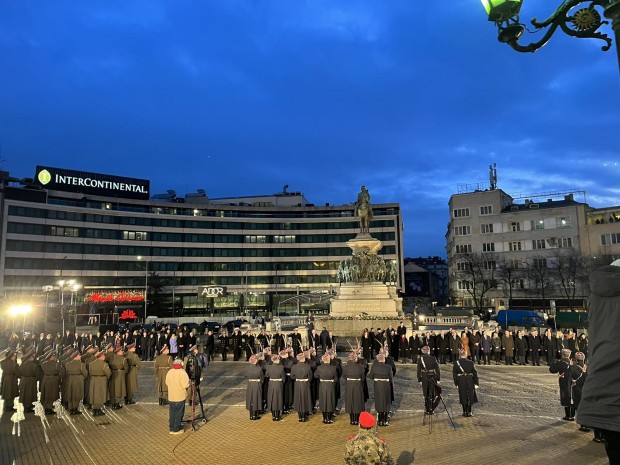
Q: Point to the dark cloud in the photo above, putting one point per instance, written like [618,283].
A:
[241,97]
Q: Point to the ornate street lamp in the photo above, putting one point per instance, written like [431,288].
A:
[577,22]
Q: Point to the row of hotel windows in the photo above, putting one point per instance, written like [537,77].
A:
[518,283]
[516,246]
[514,226]
[171,223]
[212,211]
[64,231]
[111,281]
[155,266]
[94,249]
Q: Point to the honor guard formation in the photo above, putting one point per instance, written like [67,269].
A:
[285,372]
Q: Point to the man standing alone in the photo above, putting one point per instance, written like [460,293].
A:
[177,382]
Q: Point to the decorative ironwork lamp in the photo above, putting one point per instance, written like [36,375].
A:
[577,18]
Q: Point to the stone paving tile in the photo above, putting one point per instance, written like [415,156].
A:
[517,421]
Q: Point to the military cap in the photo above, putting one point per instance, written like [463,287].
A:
[367,421]
[109,346]
[67,349]
[252,359]
[275,358]
[566,353]
[580,356]
[283,353]
[88,347]
[426,350]
[194,347]
[99,353]
[301,356]
[380,358]
[120,349]
[164,347]
[462,353]
[326,358]
[266,349]
[50,355]
[353,356]
[131,346]
[9,353]
[28,353]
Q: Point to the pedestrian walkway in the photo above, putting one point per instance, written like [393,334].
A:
[517,421]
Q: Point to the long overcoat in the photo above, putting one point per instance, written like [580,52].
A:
[28,378]
[75,374]
[254,393]
[289,384]
[565,379]
[465,378]
[302,400]
[354,377]
[133,364]
[275,389]
[8,387]
[163,364]
[99,374]
[53,373]
[327,376]
[382,374]
[117,384]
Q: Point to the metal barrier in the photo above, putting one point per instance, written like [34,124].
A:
[95,319]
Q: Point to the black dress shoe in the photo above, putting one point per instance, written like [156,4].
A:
[130,402]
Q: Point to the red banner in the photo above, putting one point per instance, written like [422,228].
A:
[114,297]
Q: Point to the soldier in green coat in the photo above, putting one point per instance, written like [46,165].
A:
[28,377]
[117,385]
[75,374]
[365,447]
[133,363]
[99,373]
[8,384]
[87,357]
[163,364]
[53,373]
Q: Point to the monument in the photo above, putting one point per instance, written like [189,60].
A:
[367,281]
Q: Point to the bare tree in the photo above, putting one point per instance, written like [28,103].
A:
[507,274]
[570,273]
[476,273]
[540,276]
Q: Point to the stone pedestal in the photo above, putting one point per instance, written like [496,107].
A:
[370,299]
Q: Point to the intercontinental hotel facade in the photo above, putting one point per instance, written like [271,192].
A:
[96,242]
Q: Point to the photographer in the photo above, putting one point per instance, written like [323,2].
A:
[194,363]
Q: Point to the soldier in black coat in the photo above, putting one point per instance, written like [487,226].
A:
[563,368]
[254,393]
[302,374]
[382,376]
[295,342]
[224,343]
[210,345]
[354,377]
[277,342]
[236,344]
[275,390]
[327,376]
[288,361]
[466,379]
[428,376]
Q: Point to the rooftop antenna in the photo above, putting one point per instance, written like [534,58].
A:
[493,176]
[284,188]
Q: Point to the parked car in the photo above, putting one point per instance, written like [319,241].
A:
[212,325]
[232,324]
[528,318]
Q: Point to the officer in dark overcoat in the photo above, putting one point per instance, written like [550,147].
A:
[254,393]
[327,376]
[354,377]
[382,376]
[466,379]
[99,374]
[275,389]
[563,369]
[288,361]
[53,373]
[301,373]
[428,375]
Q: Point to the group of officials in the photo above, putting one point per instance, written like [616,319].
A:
[92,378]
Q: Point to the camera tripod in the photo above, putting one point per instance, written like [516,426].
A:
[195,418]
[431,403]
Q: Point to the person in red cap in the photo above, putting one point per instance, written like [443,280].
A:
[366,447]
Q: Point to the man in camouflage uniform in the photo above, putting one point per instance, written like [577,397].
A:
[365,447]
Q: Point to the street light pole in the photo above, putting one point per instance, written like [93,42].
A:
[583,23]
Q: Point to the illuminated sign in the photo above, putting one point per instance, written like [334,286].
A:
[128,315]
[91,183]
[211,291]
[114,297]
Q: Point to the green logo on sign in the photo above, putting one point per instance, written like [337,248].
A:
[44,177]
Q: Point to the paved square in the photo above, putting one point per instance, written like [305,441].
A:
[517,421]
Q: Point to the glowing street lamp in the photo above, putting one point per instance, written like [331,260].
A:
[583,23]
[20,310]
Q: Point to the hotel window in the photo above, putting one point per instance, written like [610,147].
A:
[464,285]
[66,232]
[284,239]
[565,242]
[514,246]
[489,265]
[538,224]
[463,266]
[540,263]
[488,247]
[486,228]
[562,222]
[462,230]
[518,283]
[538,244]
[515,226]
[255,239]
[486,210]
[461,212]
[463,248]
[135,235]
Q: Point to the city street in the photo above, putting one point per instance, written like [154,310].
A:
[516,421]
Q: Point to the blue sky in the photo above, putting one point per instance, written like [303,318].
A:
[241,97]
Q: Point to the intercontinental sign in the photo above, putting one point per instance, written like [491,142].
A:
[91,183]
